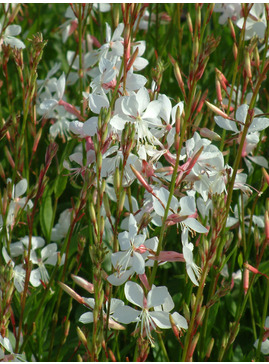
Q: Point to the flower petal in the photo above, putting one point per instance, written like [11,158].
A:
[134,293]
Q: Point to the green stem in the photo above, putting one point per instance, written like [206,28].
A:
[198,301]
[264,314]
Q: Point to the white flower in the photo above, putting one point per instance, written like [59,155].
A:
[265,343]
[186,205]
[228,10]
[18,271]
[131,258]
[256,22]
[194,272]
[114,42]
[87,317]
[146,318]
[8,36]
[138,109]
[19,247]
[60,230]
[48,256]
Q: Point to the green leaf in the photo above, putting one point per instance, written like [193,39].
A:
[60,185]
[240,260]
[46,214]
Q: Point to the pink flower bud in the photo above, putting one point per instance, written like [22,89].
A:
[83,283]
[141,179]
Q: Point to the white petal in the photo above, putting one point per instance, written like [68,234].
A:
[130,105]
[16,249]
[261,161]
[96,102]
[195,225]
[117,32]
[61,86]
[241,113]
[20,188]
[118,279]
[118,122]
[143,99]
[135,82]
[152,110]
[134,293]
[14,42]
[187,204]
[13,30]
[114,304]
[258,124]
[161,319]
[264,346]
[90,126]
[158,296]
[86,318]
[180,321]
[35,277]
[226,124]
[138,263]
[126,314]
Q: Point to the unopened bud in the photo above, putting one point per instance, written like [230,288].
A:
[83,283]
[66,328]
[235,51]
[209,348]
[231,26]
[216,110]
[245,280]
[193,300]
[248,65]
[102,227]
[257,57]
[193,345]
[37,139]
[218,90]
[82,337]
[186,312]
[195,47]
[2,172]
[141,179]
[121,201]
[71,292]
[200,316]
[265,175]
[174,326]
[107,206]
[210,134]
[92,213]
[112,356]
[189,22]
[177,124]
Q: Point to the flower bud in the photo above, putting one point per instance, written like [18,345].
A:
[209,348]
[189,22]
[230,23]
[216,110]
[121,201]
[245,280]
[83,283]
[200,316]
[210,134]
[247,65]
[71,292]
[82,337]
